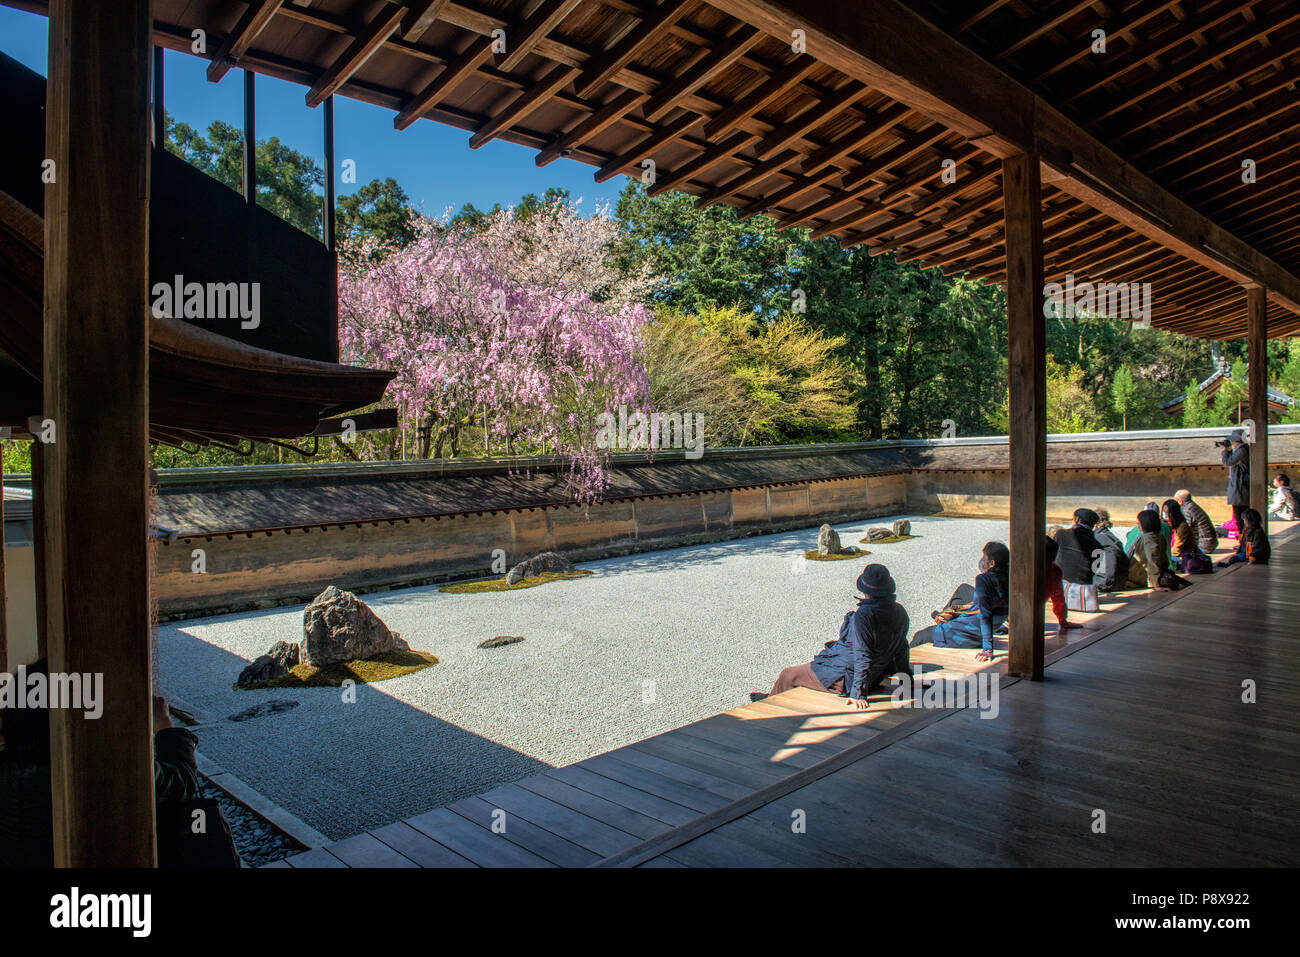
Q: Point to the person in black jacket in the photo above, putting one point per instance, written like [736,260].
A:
[872,645]
[1079,548]
[26,807]
[1112,568]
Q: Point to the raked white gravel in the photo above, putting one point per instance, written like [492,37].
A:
[648,643]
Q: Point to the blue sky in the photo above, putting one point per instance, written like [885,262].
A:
[433,162]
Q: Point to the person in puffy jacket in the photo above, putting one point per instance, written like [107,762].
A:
[1112,567]
[872,645]
[1079,548]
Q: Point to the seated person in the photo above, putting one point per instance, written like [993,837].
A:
[1184,547]
[990,603]
[26,806]
[1135,532]
[1078,548]
[1151,553]
[1112,567]
[1286,502]
[872,645]
[1254,546]
[1055,590]
[1207,536]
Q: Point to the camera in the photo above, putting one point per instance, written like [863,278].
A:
[1223,444]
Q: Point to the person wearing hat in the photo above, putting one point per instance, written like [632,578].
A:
[872,645]
[1236,456]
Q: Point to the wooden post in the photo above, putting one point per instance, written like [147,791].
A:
[159,104]
[38,544]
[328,231]
[1257,400]
[1027,372]
[4,623]
[96,613]
[250,139]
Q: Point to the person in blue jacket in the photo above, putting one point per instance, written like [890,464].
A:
[975,627]
[872,645]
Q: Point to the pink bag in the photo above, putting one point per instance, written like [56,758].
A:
[1230,527]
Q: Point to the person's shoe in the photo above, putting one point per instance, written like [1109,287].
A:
[757,695]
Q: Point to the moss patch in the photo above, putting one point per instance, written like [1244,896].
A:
[392,664]
[815,556]
[499,584]
[888,541]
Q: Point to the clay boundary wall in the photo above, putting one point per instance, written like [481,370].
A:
[273,535]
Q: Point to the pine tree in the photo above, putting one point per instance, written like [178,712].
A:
[1195,409]
[1123,394]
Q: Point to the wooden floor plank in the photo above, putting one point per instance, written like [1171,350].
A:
[366,850]
[472,842]
[420,848]
[525,834]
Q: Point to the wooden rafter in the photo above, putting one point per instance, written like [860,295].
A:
[253,22]
[365,45]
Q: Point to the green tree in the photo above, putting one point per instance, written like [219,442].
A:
[707,257]
[1124,395]
[1196,412]
[380,210]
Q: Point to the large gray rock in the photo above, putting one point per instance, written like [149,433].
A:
[828,541]
[545,562]
[902,527]
[337,626]
[878,532]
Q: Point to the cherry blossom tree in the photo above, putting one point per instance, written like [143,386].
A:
[520,331]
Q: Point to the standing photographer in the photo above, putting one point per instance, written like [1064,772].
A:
[1236,456]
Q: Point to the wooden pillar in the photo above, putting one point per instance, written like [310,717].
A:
[250,139]
[159,103]
[4,621]
[1257,399]
[96,614]
[38,544]
[1027,372]
[328,230]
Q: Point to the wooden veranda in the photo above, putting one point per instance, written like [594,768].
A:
[1143,141]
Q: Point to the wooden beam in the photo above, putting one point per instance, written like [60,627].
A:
[1027,375]
[96,515]
[748,105]
[421,15]
[604,67]
[601,120]
[253,22]
[520,42]
[474,56]
[656,140]
[713,63]
[525,103]
[896,51]
[705,161]
[1257,397]
[365,45]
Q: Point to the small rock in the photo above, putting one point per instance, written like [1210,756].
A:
[902,527]
[878,532]
[263,668]
[828,541]
[500,640]
[266,707]
[545,562]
